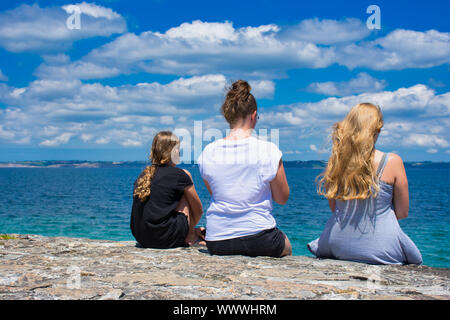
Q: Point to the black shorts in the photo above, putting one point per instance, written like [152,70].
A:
[180,227]
[269,242]
[170,233]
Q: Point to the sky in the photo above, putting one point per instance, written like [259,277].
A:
[97,80]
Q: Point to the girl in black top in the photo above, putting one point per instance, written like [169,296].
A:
[166,207]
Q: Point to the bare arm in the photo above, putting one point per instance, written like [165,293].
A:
[279,186]
[207,186]
[401,194]
[194,201]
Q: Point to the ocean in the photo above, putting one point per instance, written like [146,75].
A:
[96,203]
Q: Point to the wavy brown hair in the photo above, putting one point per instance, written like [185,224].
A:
[350,173]
[165,148]
[239,102]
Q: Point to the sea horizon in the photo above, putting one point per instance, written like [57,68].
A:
[313,163]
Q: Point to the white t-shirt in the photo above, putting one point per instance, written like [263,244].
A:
[239,174]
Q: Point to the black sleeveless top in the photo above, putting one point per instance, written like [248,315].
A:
[154,222]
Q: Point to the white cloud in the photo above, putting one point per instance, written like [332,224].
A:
[54,112]
[102,140]
[5,134]
[59,108]
[200,31]
[314,148]
[327,31]
[262,88]
[399,126]
[426,140]
[76,70]
[398,50]
[282,118]
[93,10]
[166,120]
[61,139]
[292,152]
[131,143]
[32,28]
[266,51]
[86,137]
[197,48]
[414,116]
[361,84]
[17,92]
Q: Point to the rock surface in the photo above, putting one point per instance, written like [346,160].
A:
[38,267]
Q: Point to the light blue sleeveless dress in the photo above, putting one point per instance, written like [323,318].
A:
[366,231]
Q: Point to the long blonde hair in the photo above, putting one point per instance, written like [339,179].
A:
[350,173]
[164,149]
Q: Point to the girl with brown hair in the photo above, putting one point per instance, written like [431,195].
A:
[166,207]
[243,175]
[367,191]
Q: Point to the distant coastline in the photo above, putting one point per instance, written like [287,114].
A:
[312,164]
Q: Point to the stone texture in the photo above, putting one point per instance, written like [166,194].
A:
[37,267]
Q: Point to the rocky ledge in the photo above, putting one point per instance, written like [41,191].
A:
[38,267]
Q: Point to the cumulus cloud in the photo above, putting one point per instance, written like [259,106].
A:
[327,31]
[414,117]
[292,152]
[61,139]
[61,108]
[426,140]
[266,51]
[59,111]
[32,28]
[398,50]
[52,69]
[198,48]
[52,113]
[362,83]
[6,135]
[314,148]
[205,32]
[93,10]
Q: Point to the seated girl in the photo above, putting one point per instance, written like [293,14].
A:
[367,192]
[166,207]
[243,175]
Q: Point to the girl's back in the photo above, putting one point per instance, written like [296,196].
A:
[239,174]
[367,230]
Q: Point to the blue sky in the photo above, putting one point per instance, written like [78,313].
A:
[136,67]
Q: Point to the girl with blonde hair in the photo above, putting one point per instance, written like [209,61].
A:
[166,207]
[367,191]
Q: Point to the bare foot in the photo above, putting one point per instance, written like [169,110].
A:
[196,237]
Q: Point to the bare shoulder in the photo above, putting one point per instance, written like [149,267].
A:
[188,173]
[395,169]
[395,160]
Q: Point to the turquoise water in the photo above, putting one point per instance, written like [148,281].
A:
[96,202]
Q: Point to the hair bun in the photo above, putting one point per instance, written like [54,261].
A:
[241,87]
[239,102]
